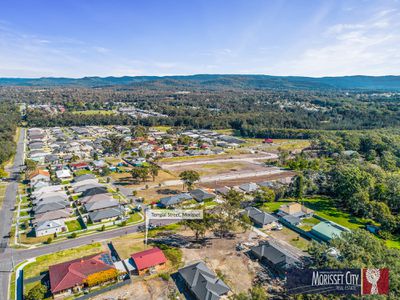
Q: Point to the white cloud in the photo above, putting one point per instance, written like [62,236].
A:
[370,47]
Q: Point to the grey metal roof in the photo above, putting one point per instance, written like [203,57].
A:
[94,191]
[96,197]
[172,200]
[84,177]
[201,195]
[84,188]
[48,225]
[52,215]
[223,190]
[202,282]
[101,204]
[259,216]
[102,214]
[55,198]
[275,254]
[249,187]
[42,208]
[292,219]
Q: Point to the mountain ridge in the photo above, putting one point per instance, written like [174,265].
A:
[217,81]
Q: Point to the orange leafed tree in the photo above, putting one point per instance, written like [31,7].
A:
[100,277]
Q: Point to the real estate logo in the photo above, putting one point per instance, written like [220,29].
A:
[375,281]
[338,281]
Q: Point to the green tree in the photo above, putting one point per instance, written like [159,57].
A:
[31,165]
[264,194]
[139,131]
[200,227]
[38,292]
[140,173]
[299,186]
[228,216]
[359,249]
[189,177]
[117,143]
[154,169]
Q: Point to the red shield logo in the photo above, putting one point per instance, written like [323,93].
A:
[375,281]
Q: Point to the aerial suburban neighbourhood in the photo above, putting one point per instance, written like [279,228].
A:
[199,150]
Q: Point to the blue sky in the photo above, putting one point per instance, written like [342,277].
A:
[76,38]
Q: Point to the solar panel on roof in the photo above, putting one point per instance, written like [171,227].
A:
[106,259]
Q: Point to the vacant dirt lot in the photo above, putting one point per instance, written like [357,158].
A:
[154,194]
[234,182]
[218,168]
[237,269]
[153,289]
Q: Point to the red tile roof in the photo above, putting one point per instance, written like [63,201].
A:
[79,165]
[72,273]
[39,172]
[148,258]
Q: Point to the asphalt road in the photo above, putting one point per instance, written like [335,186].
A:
[6,212]
[18,256]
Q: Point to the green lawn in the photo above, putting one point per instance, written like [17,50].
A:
[162,128]
[325,207]
[3,187]
[24,200]
[23,213]
[82,172]
[42,263]
[308,223]
[393,243]
[133,218]
[271,207]
[94,112]
[73,225]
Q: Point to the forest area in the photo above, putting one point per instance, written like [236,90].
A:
[9,116]
[251,113]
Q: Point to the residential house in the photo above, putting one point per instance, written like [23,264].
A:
[201,195]
[296,210]
[39,184]
[49,199]
[95,191]
[75,185]
[49,227]
[47,189]
[107,214]
[223,190]
[86,187]
[148,260]
[328,230]
[52,206]
[96,197]
[99,164]
[39,175]
[261,218]
[202,283]
[174,200]
[276,257]
[79,166]
[84,177]
[53,215]
[63,174]
[292,220]
[100,204]
[69,276]
[45,193]
[248,187]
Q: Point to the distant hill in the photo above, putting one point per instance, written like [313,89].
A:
[205,81]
